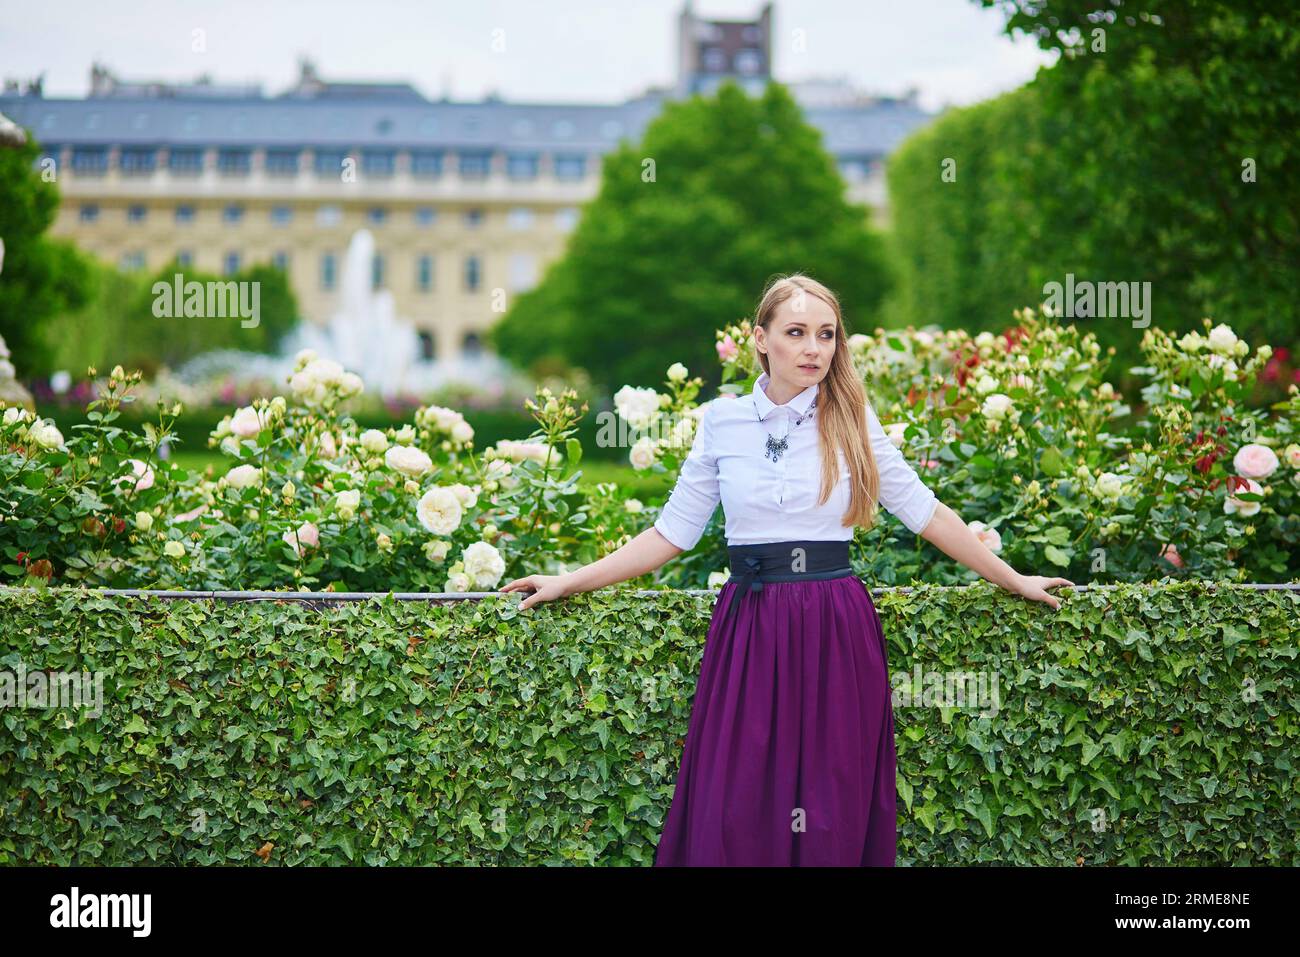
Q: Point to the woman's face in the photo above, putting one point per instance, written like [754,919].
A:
[799,342]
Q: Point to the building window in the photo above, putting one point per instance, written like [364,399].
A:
[474,165]
[232,214]
[471,347]
[570,167]
[424,273]
[231,263]
[749,61]
[519,217]
[377,271]
[234,162]
[137,160]
[329,162]
[377,215]
[428,350]
[566,218]
[282,162]
[184,214]
[327,271]
[521,165]
[185,161]
[472,273]
[474,217]
[426,164]
[611,129]
[136,213]
[184,258]
[378,162]
[523,272]
[329,215]
[715,61]
[88,213]
[280,260]
[281,215]
[563,129]
[89,160]
[425,215]
[132,261]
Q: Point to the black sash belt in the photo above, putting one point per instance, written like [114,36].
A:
[751,565]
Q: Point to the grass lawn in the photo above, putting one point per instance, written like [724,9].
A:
[642,485]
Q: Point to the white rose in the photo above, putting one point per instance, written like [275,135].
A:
[633,505]
[462,432]
[1223,340]
[174,549]
[1235,506]
[374,441]
[467,496]
[436,552]
[458,583]
[677,372]
[405,435]
[997,406]
[16,413]
[484,565]
[986,384]
[439,510]
[143,521]
[1108,485]
[717,580]
[643,453]
[46,435]
[243,476]
[408,460]
[895,432]
[637,406]
[246,423]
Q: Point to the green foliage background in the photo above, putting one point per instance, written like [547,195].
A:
[740,189]
[1116,164]
[1137,725]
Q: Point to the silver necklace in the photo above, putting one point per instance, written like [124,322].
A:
[775,448]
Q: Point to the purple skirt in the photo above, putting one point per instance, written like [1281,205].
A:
[789,754]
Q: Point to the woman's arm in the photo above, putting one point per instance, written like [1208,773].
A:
[948,533]
[642,554]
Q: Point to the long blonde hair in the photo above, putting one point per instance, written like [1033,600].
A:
[842,421]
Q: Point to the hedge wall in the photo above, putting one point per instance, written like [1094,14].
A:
[1138,725]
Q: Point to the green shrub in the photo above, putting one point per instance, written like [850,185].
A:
[1139,725]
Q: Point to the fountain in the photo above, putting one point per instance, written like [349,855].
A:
[366,335]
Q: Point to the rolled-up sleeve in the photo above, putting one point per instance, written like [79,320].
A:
[696,495]
[901,490]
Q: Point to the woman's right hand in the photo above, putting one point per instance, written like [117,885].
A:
[543,588]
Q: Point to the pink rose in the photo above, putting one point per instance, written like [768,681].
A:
[307,536]
[1170,554]
[1255,461]
[191,514]
[727,349]
[142,474]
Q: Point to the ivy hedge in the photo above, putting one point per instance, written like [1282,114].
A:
[1137,725]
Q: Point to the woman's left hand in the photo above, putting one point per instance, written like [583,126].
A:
[1034,587]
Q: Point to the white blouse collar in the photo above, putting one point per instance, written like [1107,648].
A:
[764,405]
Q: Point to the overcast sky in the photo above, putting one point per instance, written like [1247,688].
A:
[953,51]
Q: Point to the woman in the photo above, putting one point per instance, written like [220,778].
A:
[789,754]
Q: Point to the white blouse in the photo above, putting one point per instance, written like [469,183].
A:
[766,501]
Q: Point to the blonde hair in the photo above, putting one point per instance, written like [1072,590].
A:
[841,403]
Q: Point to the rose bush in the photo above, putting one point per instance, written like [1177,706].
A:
[305,500]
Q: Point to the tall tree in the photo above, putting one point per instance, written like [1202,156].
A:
[722,193]
[42,276]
